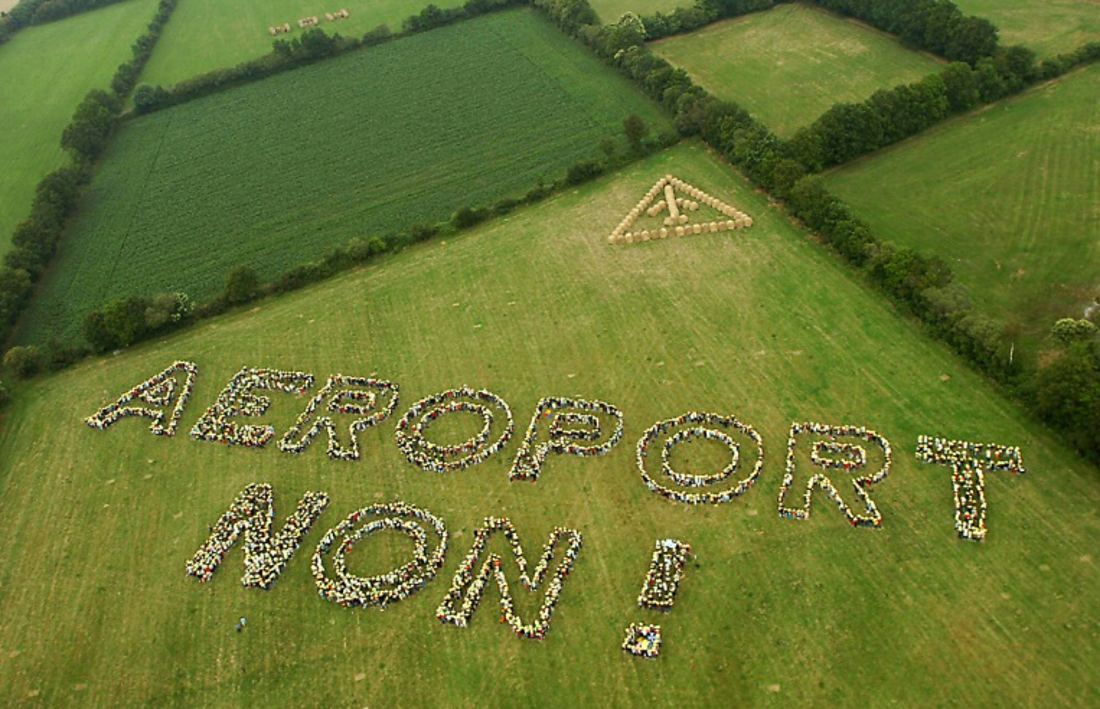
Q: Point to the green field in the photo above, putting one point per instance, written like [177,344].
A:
[1009,195]
[1047,26]
[273,174]
[44,73]
[205,35]
[611,10]
[95,527]
[788,65]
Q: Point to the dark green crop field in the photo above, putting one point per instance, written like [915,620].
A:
[272,174]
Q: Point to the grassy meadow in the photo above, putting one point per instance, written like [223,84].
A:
[1047,26]
[788,65]
[95,527]
[273,174]
[611,10]
[44,73]
[1010,195]
[205,35]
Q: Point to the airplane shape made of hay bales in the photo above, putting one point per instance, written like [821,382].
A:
[677,223]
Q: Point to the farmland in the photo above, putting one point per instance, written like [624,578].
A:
[205,35]
[788,65]
[40,87]
[611,10]
[775,612]
[1010,195]
[371,142]
[1048,26]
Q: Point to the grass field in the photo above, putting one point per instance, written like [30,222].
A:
[205,35]
[611,10]
[95,527]
[788,65]
[41,83]
[1047,26]
[1010,195]
[274,173]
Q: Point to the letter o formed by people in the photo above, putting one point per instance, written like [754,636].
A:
[665,436]
[438,458]
[353,591]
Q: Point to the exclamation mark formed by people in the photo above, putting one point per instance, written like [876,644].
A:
[662,581]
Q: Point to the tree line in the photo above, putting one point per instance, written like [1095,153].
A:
[35,239]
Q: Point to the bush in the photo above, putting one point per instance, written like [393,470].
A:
[24,362]
[5,397]
[242,285]
[582,172]
[468,217]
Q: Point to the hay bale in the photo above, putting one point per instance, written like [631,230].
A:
[611,240]
[679,231]
[713,227]
[629,238]
[731,225]
[683,219]
[645,234]
[670,200]
[669,221]
[748,222]
[696,228]
[663,233]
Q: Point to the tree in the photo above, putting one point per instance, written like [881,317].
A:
[242,285]
[24,361]
[1069,330]
[636,130]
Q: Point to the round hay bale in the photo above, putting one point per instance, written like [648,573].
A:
[629,238]
[645,234]
[663,233]
[696,229]
[612,240]
[748,222]
[731,225]
[683,219]
[679,231]
[668,221]
[713,226]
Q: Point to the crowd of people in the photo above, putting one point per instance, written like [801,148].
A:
[643,640]
[437,458]
[350,396]
[666,569]
[968,462]
[573,426]
[155,394]
[353,591]
[252,514]
[238,399]
[471,579]
[704,425]
[851,457]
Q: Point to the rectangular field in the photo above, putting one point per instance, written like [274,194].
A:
[273,174]
[1009,195]
[205,35]
[44,73]
[788,65]
[1047,26]
[96,526]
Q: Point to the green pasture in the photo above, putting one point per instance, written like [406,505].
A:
[1010,195]
[44,73]
[1047,26]
[95,526]
[205,35]
[788,65]
[273,174]
[611,10]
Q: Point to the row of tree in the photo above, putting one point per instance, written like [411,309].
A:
[35,239]
[1065,394]
[309,46]
[848,130]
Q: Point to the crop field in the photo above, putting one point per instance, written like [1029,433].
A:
[1047,26]
[273,174]
[44,73]
[611,10]
[96,526]
[788,65]
[205,35]
[1010,195]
